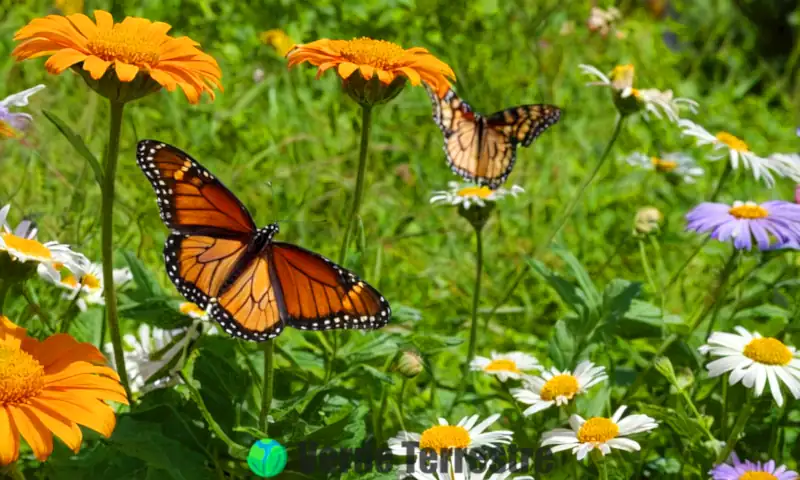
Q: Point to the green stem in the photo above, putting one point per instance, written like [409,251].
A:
[726,271]
[722,179]
[723,423]
[523,270]
[4,288]
[69,314]
[738,428]
[646,265]
[266,387]
[774,438]
[697,415]
[686,262]
[400,405]
[366,126]
[39,311]
[110,294]
[599,460]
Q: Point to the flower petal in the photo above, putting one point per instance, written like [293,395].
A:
[33,430]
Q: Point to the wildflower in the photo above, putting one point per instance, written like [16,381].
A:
[52,386]
[21,254]
[675,164]
[630,100]
[787,164]
[151,353]
[505,365]
[465,436]
[736,149]
[771,224]
[13,123]
[87,288]
[387,62]
[647,220]
[599,433]
[558,388]
[279,40]
[121,61]
[755,361]
[409,364]
[472,195]
[736,469]
[602,21]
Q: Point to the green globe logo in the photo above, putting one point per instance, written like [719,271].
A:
[267,458]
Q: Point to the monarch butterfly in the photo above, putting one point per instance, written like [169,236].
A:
[253,286]
[483,149]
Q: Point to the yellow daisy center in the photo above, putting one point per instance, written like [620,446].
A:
[70,281]
[749,211]
[21,375]
[598,430]
[560,386]
[375,53]
[126,44]
[480,192]
[769,351]
[26,246]
[662,165]
[758,476]
[732,141]
[502,365]
[443,437]
[188,308]
[91,281]
[6,130]
[622,78]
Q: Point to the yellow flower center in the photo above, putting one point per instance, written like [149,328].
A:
[375,53]
[598,430]
[70,281]
[560,386]
[757,476]
[502,365]
[21,375]
[6,130]
[622,77]
[480,192]
[188,308]
[732,141]
[91,281]
[26,246]
[126,44]
[662,165]
[749,211]
[443,437]
[769,351]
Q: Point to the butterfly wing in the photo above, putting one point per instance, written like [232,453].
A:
[320,295]
[190,198]
[461,132]
[523,124]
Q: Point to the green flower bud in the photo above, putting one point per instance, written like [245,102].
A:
[409,364]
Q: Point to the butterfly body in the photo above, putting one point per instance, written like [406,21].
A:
[483,148]
[251,284]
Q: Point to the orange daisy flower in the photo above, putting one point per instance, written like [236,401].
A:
[379,58]
[135,46]
[51,387]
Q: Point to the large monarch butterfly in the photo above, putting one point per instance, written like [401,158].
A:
[253,286]
[481,148]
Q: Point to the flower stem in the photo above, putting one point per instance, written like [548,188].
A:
[599,460]
[523,270]
[266,386]
[738,428]
[722,179]
[647,270]
[112,153]
[723,421]
[4,288]
[366,126]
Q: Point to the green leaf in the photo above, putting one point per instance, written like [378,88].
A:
[160,312]
[617,298]
[565,289]
[78,144]
[141,276]
[429,343]
[562,346]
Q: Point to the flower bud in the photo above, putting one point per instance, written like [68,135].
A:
[648,220]
[409,364]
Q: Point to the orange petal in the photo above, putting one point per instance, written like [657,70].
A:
[9,438]
[346,69]
[384,76]
[83,24]
[125,71]
[63,349]
[63,60]
[37,47]
[412,75]
[366,71]
[65,429]
[325,66]
[104,19]
[11,334]
[96,66]
[79,369]
[95,415]
[164,79]
[159,29]
[33,431]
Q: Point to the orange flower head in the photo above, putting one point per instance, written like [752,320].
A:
[51,387]
[122,61]
[375,58]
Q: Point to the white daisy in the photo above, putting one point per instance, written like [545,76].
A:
[676,164]
[12,122]
[199,316]
[468,195]
[465,436]
[506,365]
[86,288]
[657,102]
[755,361]
[463,473]
[49,257]
[558,388]
[150,352]
[788,164]
[599,433]
[737,150]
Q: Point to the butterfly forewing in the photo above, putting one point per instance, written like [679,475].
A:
[523,124]
[321,295]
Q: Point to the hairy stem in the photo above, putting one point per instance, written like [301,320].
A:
[266,387]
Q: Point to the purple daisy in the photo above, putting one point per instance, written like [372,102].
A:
[19,121]
[735,469]
[773,224]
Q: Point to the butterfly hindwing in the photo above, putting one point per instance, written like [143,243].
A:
[483,149]
[320,295]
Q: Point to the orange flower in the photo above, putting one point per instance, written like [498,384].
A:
[51,387]
[135,46]
[374,57]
